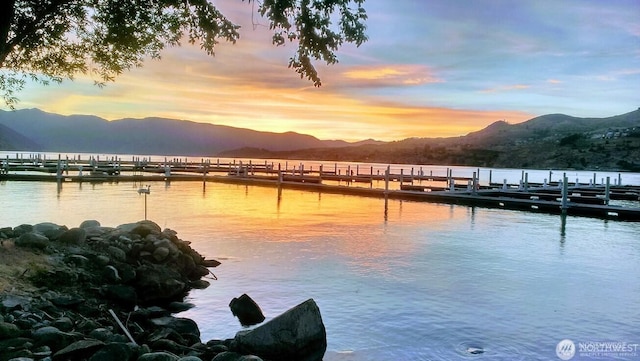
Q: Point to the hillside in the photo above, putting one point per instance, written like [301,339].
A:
[10,139]
[550,141]
[85,133]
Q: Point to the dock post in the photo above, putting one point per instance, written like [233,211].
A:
[475,183]
[401,175]
[279,183]
[386,180]
[619,179]
[607,190]
[59,169]
[526,182]
[594,179]
[357,170]
[565,193]
[335,168]
[550,174]
[490,175]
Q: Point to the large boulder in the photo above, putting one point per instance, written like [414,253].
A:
[246,310]
[73,236]
[157,283]
[141,228]
[9,330]
[52,337]
[22,229]
[182,325]
[90,223]
[50,230]
[32,240]
[298,334]
[78,350]
[123,295]
[115,351]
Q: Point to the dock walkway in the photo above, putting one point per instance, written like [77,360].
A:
[580,200]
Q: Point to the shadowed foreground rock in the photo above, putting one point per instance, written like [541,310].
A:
[246,310]
[103,294]
[298,334]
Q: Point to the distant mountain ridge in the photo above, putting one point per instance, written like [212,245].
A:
[555,141]
[41,131]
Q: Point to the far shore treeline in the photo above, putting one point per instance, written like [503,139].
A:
[550,141]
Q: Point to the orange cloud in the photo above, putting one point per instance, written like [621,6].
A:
[266,96]
[248,85]
[387,75]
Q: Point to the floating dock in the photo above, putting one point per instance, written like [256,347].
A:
[590,200]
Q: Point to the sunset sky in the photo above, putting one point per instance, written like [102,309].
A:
[431,68]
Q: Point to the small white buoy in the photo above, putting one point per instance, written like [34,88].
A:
[475,350]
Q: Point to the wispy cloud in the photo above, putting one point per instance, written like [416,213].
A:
[387,75]
[506,88]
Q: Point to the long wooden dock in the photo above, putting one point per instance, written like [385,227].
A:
[559,198]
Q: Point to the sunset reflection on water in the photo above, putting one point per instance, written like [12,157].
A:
[394,280]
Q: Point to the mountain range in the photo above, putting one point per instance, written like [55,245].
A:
[35,130]
[550,141]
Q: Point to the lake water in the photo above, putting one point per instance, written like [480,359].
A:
[394,281]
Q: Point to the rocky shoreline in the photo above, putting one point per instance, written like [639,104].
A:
[110,293]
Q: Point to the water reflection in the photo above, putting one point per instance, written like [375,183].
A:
[461,277]
[563,228]
[386,208]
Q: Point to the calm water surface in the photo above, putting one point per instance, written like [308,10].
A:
[409,281]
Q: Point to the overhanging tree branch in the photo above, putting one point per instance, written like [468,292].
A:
[52,40]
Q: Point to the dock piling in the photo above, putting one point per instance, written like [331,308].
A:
[475,183]
[565,193]
[386,180]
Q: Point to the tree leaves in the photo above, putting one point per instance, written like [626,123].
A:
[311,25]
[52,40]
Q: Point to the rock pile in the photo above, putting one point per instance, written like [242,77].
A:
[110,294]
